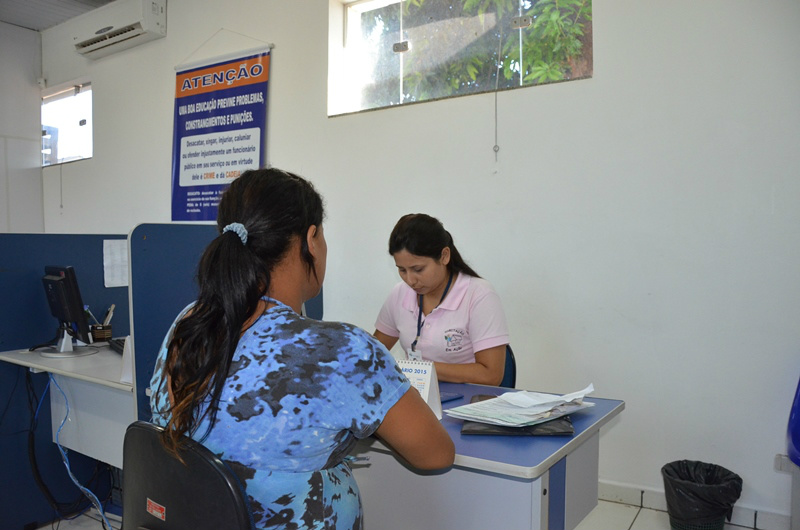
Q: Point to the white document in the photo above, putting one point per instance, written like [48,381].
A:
[422,375]
[115,262]
[517,409]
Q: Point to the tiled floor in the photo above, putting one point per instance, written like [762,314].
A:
[616,516]
[607,516]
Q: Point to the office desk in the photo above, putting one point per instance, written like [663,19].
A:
[514,482]
[100,406]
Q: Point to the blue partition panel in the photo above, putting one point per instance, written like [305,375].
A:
[25,317]
[164,261]
[25,320]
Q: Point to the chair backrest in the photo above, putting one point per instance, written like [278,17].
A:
[161,493]
[793,429]
[510,374]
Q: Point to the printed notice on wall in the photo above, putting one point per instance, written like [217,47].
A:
[115,262]
[220,131]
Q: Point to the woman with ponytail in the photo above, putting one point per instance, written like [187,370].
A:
[282,398]
[442,311]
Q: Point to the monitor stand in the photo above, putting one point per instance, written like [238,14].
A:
[64,348]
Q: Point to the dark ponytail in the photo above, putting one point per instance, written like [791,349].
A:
[423,235]
[272,207]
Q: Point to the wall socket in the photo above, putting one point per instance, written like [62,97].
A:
[400,47]
[783,463]
[521,22]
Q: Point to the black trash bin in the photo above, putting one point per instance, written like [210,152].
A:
[700,496]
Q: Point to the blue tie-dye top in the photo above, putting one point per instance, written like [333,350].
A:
[298,395]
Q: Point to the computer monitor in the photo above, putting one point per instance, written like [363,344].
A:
[66,305]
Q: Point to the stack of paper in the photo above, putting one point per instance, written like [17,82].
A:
[517,409]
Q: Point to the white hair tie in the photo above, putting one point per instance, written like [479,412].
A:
[239,230]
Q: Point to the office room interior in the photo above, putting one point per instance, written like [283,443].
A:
[642,226]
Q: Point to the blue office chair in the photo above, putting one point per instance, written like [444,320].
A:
[793,429]
[159,492]
[510,373]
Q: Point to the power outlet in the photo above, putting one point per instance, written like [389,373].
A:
[521,22]
[400,47]
[783,463]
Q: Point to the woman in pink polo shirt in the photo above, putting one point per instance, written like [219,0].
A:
[442,311]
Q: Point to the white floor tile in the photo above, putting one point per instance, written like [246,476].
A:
[651,520]
[659,520]
[610,516]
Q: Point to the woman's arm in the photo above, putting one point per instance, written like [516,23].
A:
[487,369]
[385,339]
[412,430]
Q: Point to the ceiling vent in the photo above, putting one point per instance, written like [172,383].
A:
[118,26]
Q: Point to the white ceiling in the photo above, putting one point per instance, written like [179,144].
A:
[42,14]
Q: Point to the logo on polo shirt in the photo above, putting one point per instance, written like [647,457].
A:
[454,339]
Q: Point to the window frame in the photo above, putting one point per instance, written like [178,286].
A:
[60,93]
[501,70]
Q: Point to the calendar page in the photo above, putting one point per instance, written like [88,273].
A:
[422,375]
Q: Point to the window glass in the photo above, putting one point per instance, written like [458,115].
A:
[67,125]
[407,51]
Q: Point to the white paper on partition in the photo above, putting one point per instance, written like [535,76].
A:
[115,262]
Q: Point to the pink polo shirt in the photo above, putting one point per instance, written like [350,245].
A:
[470,319]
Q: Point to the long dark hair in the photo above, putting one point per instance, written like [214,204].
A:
[423,235]
[274,207]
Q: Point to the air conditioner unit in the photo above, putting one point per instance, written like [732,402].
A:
[118,26]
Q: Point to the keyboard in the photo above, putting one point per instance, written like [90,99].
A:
[117,344]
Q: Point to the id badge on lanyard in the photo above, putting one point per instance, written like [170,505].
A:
[414,354]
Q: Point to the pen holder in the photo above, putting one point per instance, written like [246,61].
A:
[101,332]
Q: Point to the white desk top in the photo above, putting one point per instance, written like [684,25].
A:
[103,368]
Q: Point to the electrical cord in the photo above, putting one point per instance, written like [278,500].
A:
[8,404]
[61,510]
[37,477]
[52,341]
[91,496]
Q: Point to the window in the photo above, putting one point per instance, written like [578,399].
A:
[67,125]
[405,51]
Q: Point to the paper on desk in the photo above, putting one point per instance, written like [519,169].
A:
[530,400]
[518,409]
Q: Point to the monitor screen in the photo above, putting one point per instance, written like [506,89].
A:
[66,305]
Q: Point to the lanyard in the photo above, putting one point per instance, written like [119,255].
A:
[419,315]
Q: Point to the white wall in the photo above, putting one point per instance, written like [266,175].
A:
[642,227]
[20,130]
